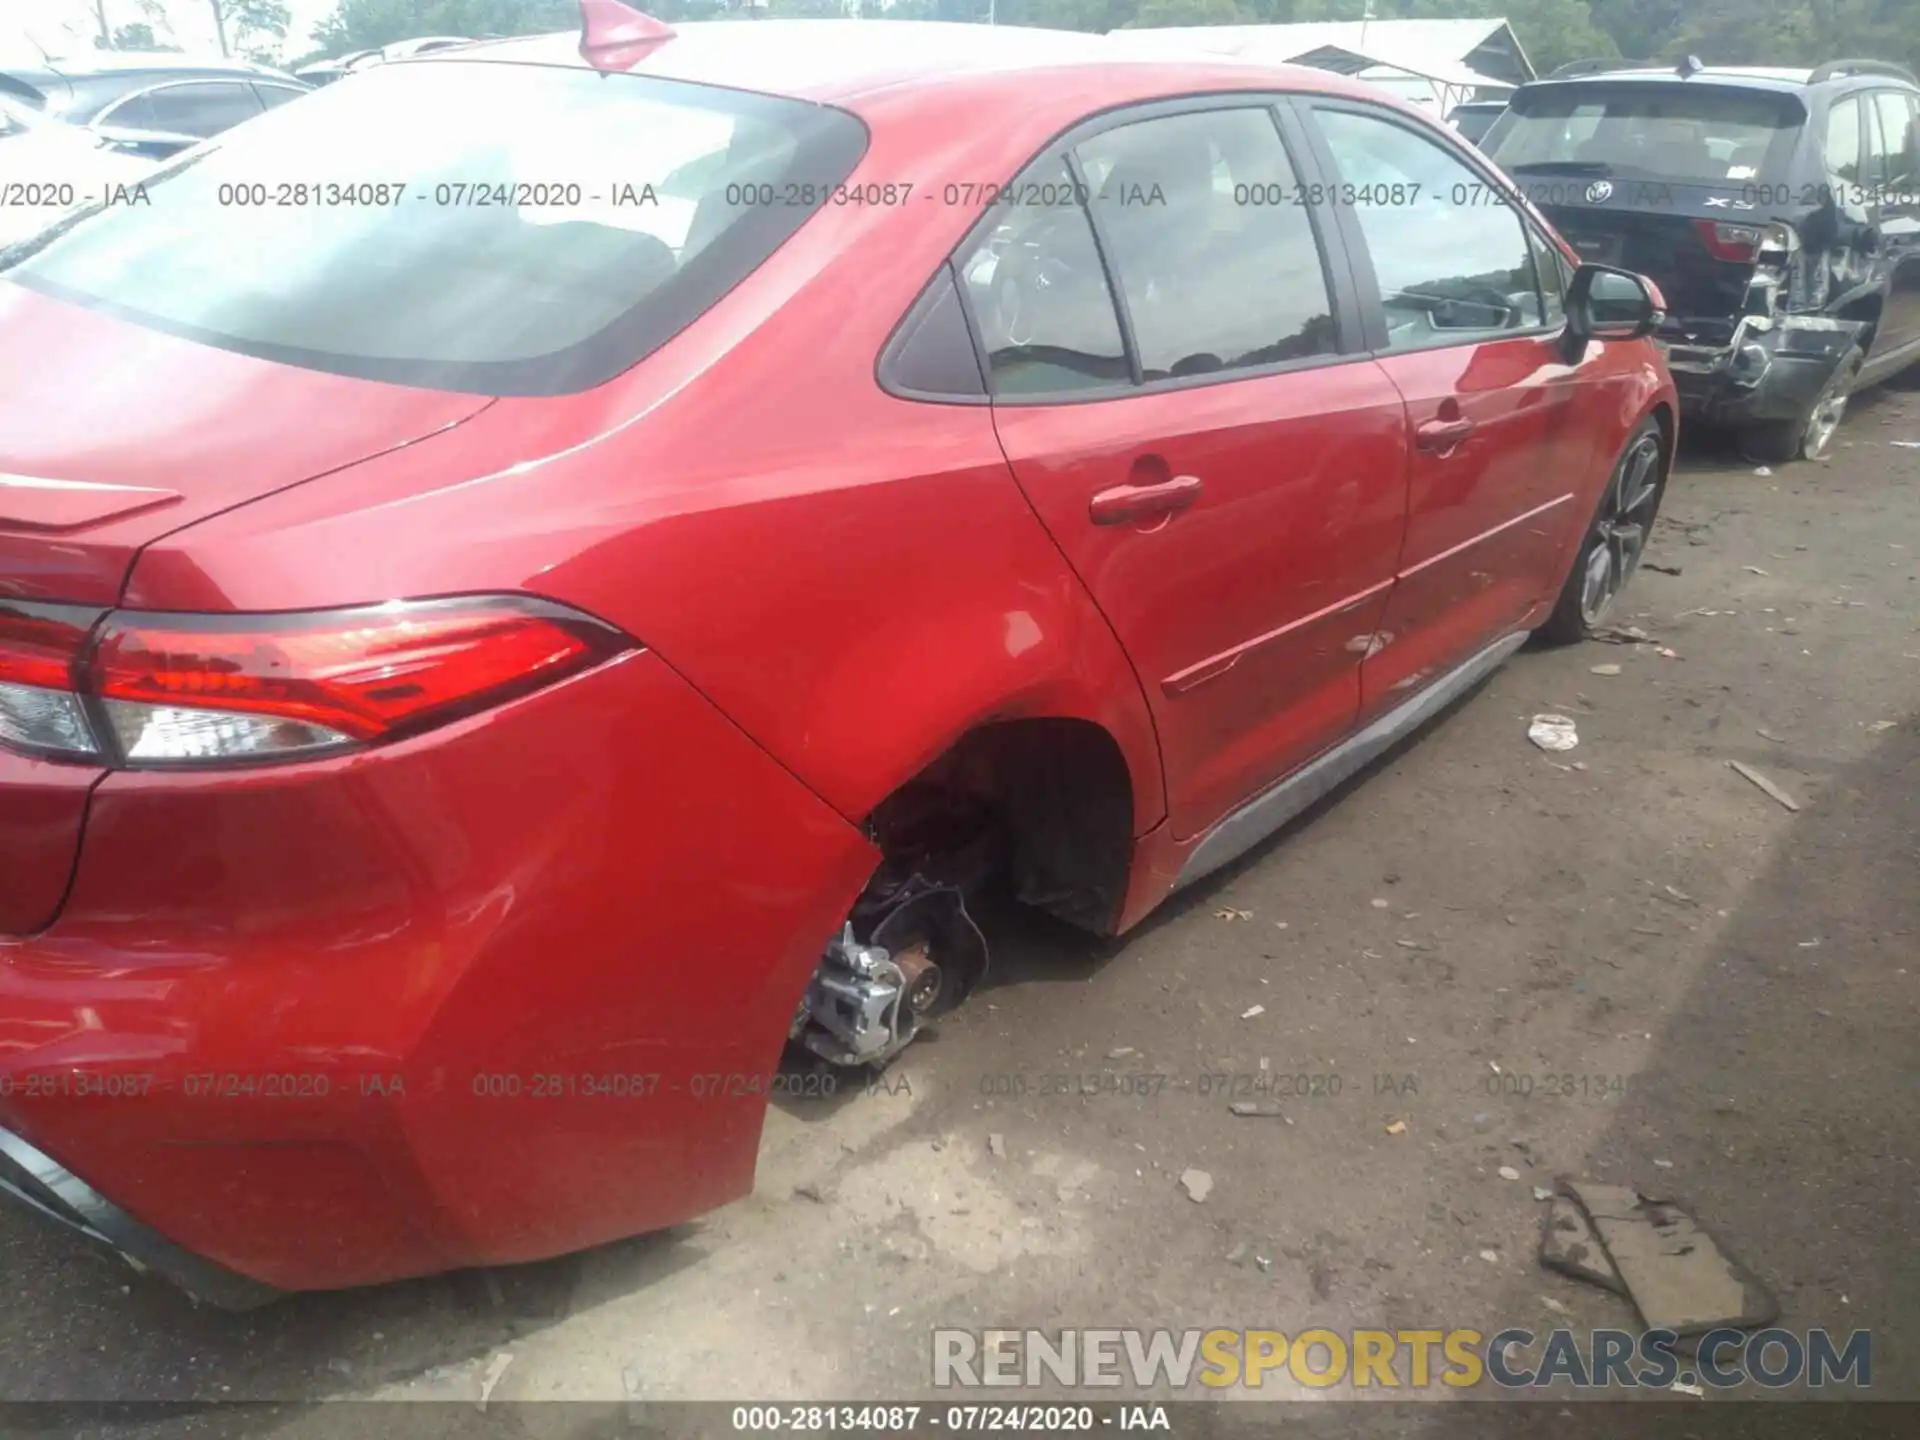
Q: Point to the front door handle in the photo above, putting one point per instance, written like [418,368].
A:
[1124,504]
[1441,436]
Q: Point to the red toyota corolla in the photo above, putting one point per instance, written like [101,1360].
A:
[533,578]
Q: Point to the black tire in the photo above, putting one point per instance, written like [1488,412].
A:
[1621,525]
[1807,435]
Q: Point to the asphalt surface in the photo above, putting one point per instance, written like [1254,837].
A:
[1683,985]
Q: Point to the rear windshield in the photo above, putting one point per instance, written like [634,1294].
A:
[1668,131]
[499,228]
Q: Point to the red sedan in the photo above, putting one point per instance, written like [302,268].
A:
[537,578]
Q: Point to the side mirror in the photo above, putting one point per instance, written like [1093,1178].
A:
[1608,304]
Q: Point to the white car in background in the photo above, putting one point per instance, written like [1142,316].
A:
[48,168]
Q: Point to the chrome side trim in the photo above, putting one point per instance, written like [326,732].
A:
[1273,807]
[48,1188]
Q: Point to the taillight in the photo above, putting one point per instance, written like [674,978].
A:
[39,711]
[156,689]
[1743,244]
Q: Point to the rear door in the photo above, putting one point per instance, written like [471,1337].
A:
[1893,180]
[1181,393]
[1501,424]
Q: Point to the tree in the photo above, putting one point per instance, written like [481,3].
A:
[138,36]
[367,24]
[249,20]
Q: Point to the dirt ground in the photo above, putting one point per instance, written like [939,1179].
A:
[1747,975]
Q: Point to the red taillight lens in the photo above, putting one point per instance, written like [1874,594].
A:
[184,689]
[1731,242]
[39,647]
[39,643]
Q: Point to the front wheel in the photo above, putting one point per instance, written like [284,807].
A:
[1611,549]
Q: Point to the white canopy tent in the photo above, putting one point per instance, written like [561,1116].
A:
[1435,63]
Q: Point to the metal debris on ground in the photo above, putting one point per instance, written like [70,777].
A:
[1660,569]
[1553,732]
[1621,635]
[997,1146]
[495,1370]
[1258,1108]
[1253,1010]
[1198,1184]
[1772,790]
[1879,727]
[1753,569]
[1227,912]
[1604,670]
[1654,1252]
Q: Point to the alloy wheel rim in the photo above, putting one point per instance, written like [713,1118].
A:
[1828,412]
[1620,536]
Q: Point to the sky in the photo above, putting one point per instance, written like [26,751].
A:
[69,24]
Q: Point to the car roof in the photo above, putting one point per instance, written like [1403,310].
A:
[1780,78]
[110,62]
[841,60]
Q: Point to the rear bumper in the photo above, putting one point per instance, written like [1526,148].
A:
[34,1179]
[507,990]
[1771,370]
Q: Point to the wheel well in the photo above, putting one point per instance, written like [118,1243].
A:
[1866,310]
[1663,417]
[1046,803]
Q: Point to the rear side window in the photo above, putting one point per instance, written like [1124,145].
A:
[275,95]
[1666,131]
[1449,272]
[489,227]
[1890,143]
[198,109]
[1215,257]
[1842,144]
[1040,293]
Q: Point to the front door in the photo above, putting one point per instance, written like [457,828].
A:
[1220,465]
[1501,447]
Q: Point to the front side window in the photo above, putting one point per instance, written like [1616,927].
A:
[1213,253]
[1040,293]
[488,227]
[1550,269]
[1451,267]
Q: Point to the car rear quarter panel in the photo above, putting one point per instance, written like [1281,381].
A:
[432,974]
[855,579]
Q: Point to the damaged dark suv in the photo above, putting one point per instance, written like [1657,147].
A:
[1778,210]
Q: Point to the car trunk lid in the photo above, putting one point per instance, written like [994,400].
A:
[1699,244]
[113,434]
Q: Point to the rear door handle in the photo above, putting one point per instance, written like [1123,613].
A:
[1440,436]
[1124,504]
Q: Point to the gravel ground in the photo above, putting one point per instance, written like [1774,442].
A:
[1732,988]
